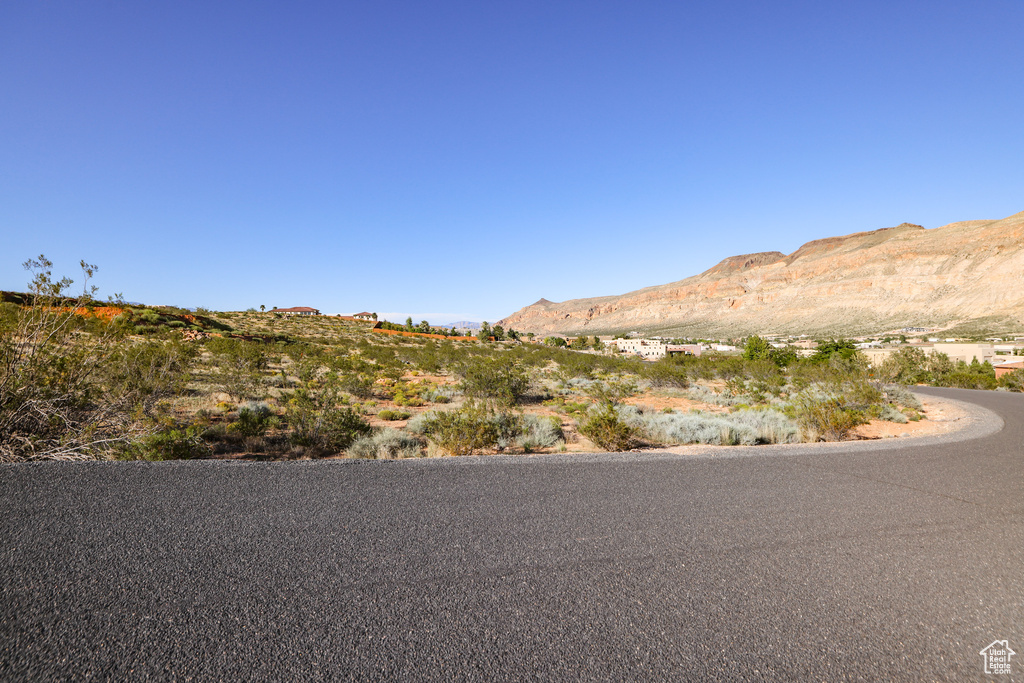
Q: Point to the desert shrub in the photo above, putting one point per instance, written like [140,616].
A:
[861,395]
[500,380]
[385,445]
[316,420]
[508,427]
[608,430]
[901,396]
[890,413]
[963,376]
[745,427]
[177,443]
[418,423]
[441,395]
[74,388]
[666,373]
[1012,381]
[360,386]
[825,417]
[472,427]
[699,392]
[239,366]
[540,432]
[574,408]
[765,377]
[149,316]
[393,415]
[254,419]
[406,395]
[575,365]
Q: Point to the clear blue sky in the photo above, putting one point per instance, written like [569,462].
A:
[459,160]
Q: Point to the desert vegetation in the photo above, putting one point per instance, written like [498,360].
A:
[85,380]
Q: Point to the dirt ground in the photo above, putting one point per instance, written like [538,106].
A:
[940,417]
[676,403]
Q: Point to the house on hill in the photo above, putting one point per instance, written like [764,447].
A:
[297,310]
[364,316]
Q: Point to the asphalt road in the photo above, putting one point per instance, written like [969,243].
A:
[895,563]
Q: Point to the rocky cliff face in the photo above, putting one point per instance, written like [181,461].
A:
[864,282]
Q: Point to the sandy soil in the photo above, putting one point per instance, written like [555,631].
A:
[677,403]
[941,417]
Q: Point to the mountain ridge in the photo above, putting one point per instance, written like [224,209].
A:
[903,276]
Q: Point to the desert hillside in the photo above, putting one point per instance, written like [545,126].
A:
[968,275]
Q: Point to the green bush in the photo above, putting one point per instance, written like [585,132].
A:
[606,429]
[826,417]
[393,415]
[170,444]
[500,380]
[470,428]
[254,419]
[1013,381]
[318,423]
[667,373]
[359,386]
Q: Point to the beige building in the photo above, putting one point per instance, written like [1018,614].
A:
[645,348]
[875,356]
[956,352]
[966,352]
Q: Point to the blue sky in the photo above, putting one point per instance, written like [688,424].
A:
[460,160]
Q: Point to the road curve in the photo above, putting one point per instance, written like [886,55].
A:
[897,563]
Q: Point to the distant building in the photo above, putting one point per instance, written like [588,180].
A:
[297,310]
[1007,368]
[967,352]
[685,349]
[363,316]
[877,356]
[956,352]
[645,348]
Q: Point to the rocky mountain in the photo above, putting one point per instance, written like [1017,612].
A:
[968,275]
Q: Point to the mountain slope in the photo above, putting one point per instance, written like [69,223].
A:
[863,282]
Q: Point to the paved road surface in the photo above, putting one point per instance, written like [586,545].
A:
[895,564]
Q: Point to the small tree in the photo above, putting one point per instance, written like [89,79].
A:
[757,349]
[843,349]
[485,332]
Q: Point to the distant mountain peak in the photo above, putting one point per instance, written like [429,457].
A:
[870,281]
